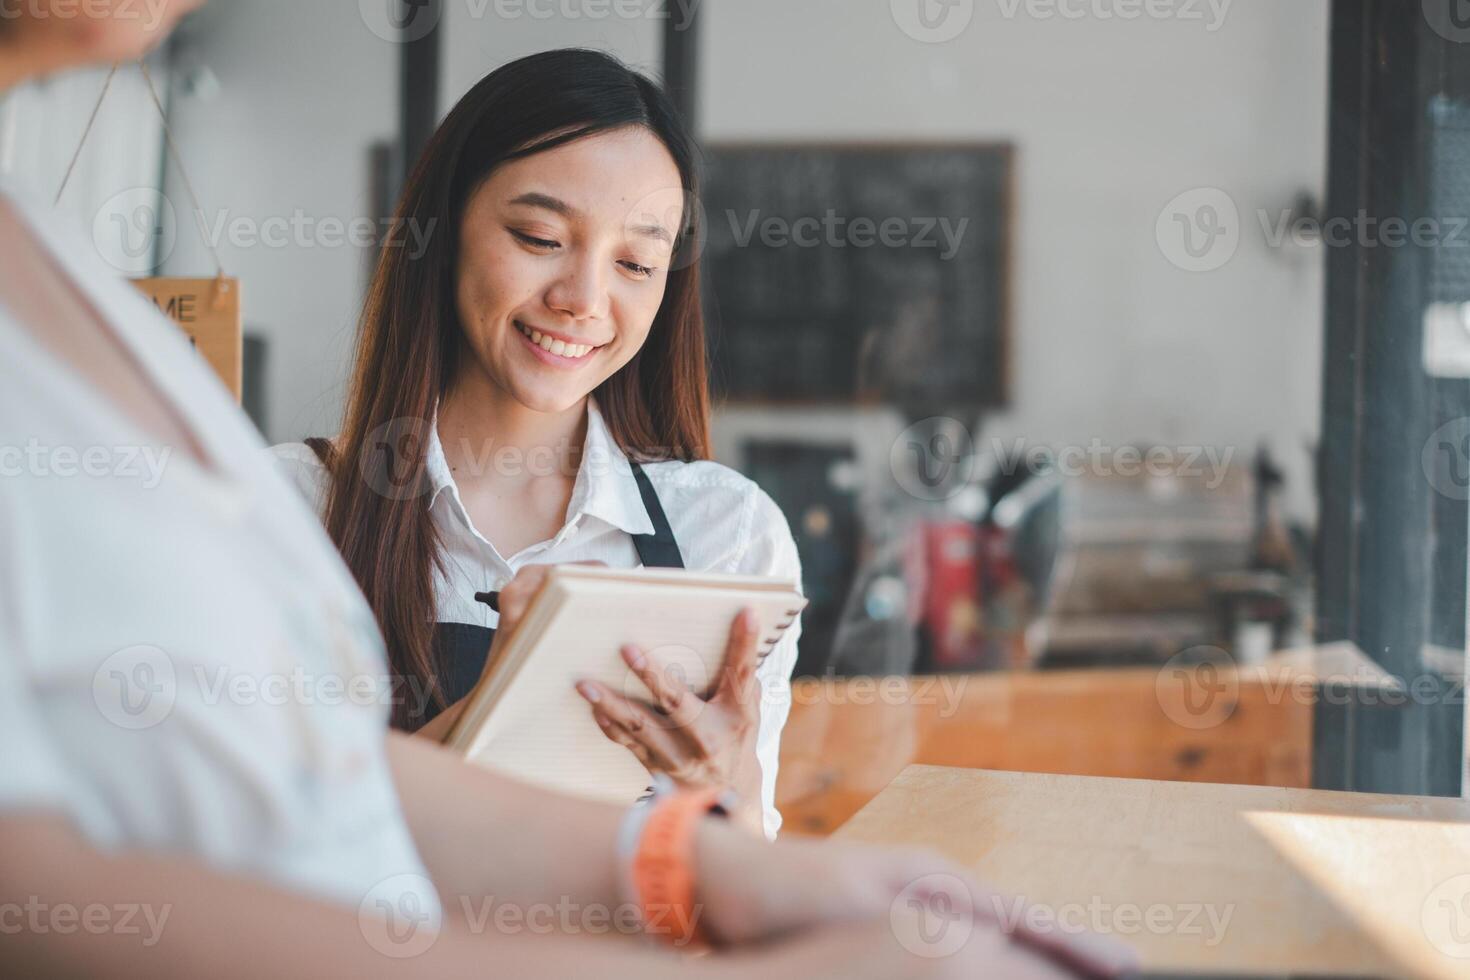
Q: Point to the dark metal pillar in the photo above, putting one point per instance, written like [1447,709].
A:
[1392,562]
[681,62]
[419,75]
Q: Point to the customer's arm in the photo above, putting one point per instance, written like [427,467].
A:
[480,834]
[196,922]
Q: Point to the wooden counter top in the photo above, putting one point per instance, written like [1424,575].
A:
[1272,881]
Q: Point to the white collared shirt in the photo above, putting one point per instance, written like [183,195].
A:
[722,521]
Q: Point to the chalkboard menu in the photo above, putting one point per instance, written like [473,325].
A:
[859,273]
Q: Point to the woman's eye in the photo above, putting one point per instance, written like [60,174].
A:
[641,271]
[532,240]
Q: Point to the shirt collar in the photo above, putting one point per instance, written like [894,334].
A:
[436,467]
[605,487]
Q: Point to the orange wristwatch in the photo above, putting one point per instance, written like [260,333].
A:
[658,839]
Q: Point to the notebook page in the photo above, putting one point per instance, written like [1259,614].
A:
[542,731]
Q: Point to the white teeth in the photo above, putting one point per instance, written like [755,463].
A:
[553,346]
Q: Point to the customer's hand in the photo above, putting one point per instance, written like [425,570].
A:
[752,891]
[698,741]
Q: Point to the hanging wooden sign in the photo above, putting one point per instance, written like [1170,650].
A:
[208,311]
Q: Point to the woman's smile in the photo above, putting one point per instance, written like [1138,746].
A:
[554,350]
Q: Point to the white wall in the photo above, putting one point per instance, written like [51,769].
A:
[1111,120]
[303,91]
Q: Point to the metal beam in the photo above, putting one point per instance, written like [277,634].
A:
[681,64]
[1392,554]
[419,75]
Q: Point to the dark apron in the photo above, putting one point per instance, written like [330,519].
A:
[461,649]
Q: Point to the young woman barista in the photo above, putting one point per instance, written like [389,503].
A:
[261,837]
[532,390]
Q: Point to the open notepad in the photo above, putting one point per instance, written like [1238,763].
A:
[525,719]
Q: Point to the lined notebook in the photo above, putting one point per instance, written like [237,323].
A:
[525,718]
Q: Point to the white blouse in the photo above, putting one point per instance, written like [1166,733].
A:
[186,665]
[722,521]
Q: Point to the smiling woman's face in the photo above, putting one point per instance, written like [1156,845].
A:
[564,257]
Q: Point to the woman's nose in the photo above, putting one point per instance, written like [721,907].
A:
[581,291]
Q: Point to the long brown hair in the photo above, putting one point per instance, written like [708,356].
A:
[410,338]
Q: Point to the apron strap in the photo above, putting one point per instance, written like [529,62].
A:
[659,549]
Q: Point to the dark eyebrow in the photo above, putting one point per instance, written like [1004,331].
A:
[536,199]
